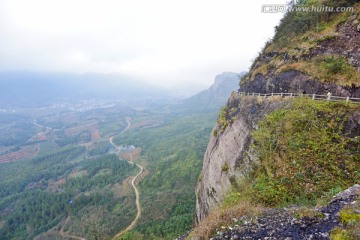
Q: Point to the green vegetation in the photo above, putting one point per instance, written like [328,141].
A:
[172,154]
[305,152]
[99,148]
[131,236]
[225,167]
[299,34]
[350,219]
[16,134]
[33,206]
[64,140]
[306,156]
[330,69]
[226,117]
[297,23]
[82,190]
[16,176]
[309,214]
[115,171]
[214,132]
[222,120]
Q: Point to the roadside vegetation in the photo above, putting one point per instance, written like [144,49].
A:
[297,38]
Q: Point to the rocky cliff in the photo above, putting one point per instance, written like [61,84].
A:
[229,156]
[324,55]
[217,94]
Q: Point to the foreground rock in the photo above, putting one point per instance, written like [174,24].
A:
[294,223]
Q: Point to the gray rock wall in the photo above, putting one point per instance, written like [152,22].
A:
[229,156]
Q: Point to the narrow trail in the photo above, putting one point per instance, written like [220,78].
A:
[67,235]
[137,193]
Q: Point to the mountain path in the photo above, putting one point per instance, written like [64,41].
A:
[137,193]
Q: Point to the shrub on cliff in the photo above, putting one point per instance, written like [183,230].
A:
[305,152]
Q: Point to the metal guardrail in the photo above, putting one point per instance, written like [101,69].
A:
[312,96]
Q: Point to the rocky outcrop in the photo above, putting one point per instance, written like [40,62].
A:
[343,43]
[229,157]
[294,223]
[296,81]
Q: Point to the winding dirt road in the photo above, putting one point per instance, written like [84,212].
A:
[137,193]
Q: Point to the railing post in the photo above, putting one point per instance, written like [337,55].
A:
[253,94]
[347,100]
[272,94]
[329,96]
[313,96]
[281,94]
[291,94]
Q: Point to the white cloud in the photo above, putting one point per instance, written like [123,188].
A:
[168,42]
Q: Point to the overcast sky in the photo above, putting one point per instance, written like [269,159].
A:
[168,42]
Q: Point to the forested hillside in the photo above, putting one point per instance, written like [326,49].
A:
[172,156]
[61,176]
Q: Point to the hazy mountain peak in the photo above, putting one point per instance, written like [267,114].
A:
[227,79]
[218,93]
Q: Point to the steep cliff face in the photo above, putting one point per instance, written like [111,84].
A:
[324,57]
[229,156]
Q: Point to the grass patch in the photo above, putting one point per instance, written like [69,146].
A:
[299,33]
[302,30]
[238,203]
[304,153]
[350,219]
[226,117]
[225,167]
[262,69]
[329,69]
[222,120]
[307,213]
[223,217]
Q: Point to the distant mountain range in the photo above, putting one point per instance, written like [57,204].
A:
[217,95]
[33,89]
